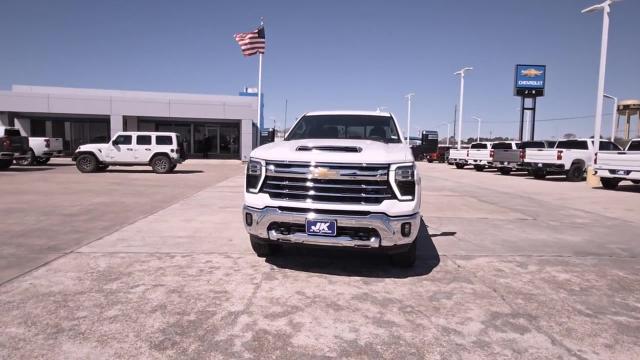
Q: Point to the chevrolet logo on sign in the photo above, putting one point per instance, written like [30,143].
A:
[323,173]
[531,72]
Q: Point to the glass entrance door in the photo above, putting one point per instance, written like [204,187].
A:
[211,141]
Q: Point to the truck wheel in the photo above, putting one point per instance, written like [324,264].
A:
[637,182]
[505,171]
[262,248]
[539,174]
[478,167]
[429,161]
[161,164]
[42,160]
[576,172]
[406,258]
[87,163]
[459,166]
[5,164]
[29,160]
[609,183]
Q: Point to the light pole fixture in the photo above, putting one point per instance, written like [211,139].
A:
[614,114]
[409,96]
[606,8]
[479,121]
[461,73]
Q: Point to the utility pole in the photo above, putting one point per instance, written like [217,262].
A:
[461,73]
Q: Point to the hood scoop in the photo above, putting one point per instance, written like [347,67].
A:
[331,148]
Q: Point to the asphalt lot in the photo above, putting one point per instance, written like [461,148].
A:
[138,265]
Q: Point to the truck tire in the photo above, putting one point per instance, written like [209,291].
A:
[29,160]
[637,182]
[505,170]
[262,248]
[609,183]
[478,167]
[459,166]
[42,160]
[575,173]
[173,167]
[429,160]
[87,163]
[406,258]
[161,164]
[539,174]
[5,164]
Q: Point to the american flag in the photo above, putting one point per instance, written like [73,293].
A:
[253,42]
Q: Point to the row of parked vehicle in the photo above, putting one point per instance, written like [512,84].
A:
[163,151]
[23,150]
[570,158]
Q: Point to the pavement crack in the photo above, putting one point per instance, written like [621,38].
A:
[529,317]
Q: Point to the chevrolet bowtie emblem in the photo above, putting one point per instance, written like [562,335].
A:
[531,73]
[323,173]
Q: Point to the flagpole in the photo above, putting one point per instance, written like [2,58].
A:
[260,88]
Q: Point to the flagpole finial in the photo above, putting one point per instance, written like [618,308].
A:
[261,20]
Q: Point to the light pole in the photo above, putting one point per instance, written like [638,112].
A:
[461,73]
[408,96]
[605,7]
[479,121]
[448,127]
[613,116]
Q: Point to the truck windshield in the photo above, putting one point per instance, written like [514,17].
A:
[502,146]
[572,145]
[12,132]
[532,145]
[361,127]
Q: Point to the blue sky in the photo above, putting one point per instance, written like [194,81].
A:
[334,54]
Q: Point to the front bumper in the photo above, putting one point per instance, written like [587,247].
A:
[387,227]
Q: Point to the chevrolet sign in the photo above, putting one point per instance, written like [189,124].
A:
[530,79]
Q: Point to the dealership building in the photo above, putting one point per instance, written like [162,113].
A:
[212,126]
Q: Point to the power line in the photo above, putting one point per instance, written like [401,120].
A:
[546,120]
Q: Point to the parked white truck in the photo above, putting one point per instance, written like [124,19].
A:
[163,151]
[341,179]
[615,166]
[569,157]
[41,150]
[459,157]
[480,155]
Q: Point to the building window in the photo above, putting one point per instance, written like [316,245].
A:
[143,140]
[38,128]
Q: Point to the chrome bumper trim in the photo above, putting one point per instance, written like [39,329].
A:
[388,227]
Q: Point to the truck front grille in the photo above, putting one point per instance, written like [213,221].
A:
[327,183]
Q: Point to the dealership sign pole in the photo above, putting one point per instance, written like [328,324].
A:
[529,84]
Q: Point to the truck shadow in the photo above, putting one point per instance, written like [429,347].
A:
[631,188]
[25,169]
[128,171]
[345,262]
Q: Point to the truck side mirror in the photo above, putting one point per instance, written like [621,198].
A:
[114,142]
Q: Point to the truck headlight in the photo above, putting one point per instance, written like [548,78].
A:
[403,181]
[254,176]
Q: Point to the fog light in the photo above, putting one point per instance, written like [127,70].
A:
[248,219]
[405,229]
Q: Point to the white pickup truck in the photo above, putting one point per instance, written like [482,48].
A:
[615,166]
[340,179]
[480,155]
[459,157]
[41,150]
[163,151]
[569,157]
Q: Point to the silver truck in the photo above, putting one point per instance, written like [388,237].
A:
[509,156]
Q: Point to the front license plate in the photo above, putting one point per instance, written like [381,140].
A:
[321,227]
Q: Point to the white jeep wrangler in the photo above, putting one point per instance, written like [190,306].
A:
[343,179]
[163,151]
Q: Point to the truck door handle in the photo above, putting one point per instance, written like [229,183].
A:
[129,149]
[147,149]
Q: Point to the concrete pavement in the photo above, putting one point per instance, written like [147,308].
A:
[510,267]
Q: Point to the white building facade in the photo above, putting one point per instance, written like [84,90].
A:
[212,126]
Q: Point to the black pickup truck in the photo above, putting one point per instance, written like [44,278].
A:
[12,146]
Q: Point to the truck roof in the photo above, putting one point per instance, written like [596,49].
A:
[350,112]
